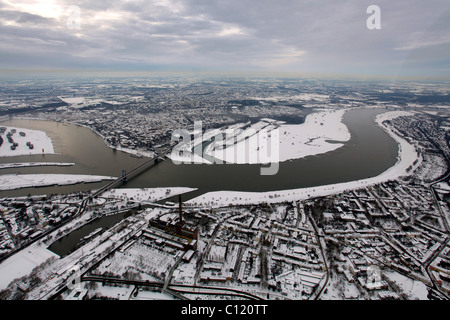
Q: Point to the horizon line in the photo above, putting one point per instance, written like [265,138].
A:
[242,73]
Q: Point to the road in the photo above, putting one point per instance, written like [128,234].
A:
[174,290]
[320,239]
[208,246]
[132,173]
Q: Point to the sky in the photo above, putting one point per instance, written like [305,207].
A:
[311,36]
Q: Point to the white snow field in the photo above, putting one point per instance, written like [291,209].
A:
[42,144]
[268,141]
[406,157]
[17,181]
[150,194]
[23,262]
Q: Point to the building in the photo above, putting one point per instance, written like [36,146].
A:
[77,294]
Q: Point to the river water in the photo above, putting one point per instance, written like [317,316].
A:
[72,144]
[369,152]
[72,241]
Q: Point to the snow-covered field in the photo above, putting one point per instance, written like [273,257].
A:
[295,141]
[73,100]
[406,157]
[434,166]
[22,263]
[269,141]
[17,181]
[310,137]
[147,261]
[42,144]
[81,102]
[415,290]
[302,97]
[151,194]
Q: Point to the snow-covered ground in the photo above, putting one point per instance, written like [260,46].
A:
[406,157]
[151,194]
[443,187]
[81,102]
[34,164]
[296,98]
[295,141]
[42,144]
[310,138]
[416,290]
[17,181]
[23,262]
[269,141]
[37,253]
[73,101]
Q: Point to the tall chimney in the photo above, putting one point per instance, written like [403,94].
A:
[180,210]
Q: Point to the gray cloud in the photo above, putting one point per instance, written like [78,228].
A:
[311,36]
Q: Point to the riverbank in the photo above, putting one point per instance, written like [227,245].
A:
[406,158]
[146,194]
[35,164]
[42,141]
[138,153]
[267,141]
[369,152]
[131,152]
[17,181]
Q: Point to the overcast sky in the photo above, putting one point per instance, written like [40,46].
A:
[324,36]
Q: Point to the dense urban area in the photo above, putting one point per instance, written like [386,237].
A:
[385,241]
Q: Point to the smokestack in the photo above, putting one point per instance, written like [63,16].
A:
[180,210]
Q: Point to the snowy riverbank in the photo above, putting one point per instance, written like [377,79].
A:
[150,194]
[17,181]
[41,143]
[295,141]
[407,155]
[131,152]
[35,164]
[268,140]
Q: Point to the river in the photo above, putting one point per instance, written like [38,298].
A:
[369,152]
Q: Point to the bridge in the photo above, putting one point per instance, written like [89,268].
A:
[131,174]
